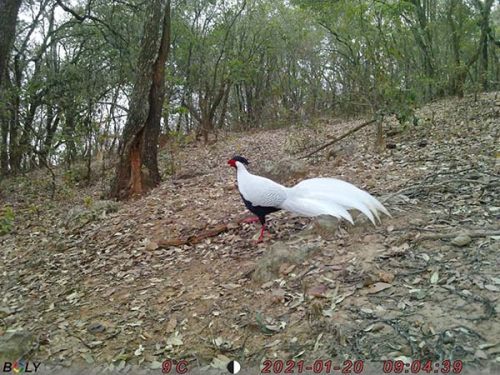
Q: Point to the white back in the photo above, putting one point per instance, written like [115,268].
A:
[260,191]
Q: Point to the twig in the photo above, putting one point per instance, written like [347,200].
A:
[353,130]
[81,19]
[489,309]
[194,239]
[79,338]
[53,175]
[113,335]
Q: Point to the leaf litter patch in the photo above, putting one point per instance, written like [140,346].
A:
[113,288]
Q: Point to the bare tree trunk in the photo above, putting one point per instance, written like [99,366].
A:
[138,146]
[8,20]
[457,80]
[484,24]
[14,151]
[4,131]
[69,135]
[424,40]
[51,124]
[223,112]
[380,140]
[156,99]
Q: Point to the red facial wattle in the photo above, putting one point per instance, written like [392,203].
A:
[232,163]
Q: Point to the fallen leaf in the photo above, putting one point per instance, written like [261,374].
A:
[434,277]
[492,288]
[155,365]
[480,354]
[278,295]
[175,340]
[274,343]
[231,286]
[319,290]
[286,268]
[377,287]
[171,325]
[151,245]
[139,350]
[386,277]
[220,362]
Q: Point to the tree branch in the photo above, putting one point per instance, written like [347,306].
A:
[191,110]
[339,138]
[81,19]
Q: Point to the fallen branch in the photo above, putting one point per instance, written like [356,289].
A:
[194,239]
[204,234]
[470,233]
[353,130]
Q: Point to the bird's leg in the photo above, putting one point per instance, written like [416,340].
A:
[262,230]
[249,220]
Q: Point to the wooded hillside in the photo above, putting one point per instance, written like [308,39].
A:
[68,74]
[123,240]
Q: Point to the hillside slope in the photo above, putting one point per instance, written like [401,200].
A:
[109,290]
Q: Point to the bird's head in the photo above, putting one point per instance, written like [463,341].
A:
[233,161]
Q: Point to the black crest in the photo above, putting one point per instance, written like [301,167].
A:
[241,159]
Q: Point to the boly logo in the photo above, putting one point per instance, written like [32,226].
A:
[21,366]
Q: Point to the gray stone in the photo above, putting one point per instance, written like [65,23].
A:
[267,268]
[326,226]
[14,345]
[461,240]
[283,170]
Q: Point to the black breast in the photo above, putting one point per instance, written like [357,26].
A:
[259,211]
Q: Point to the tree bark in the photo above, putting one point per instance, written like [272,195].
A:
[156,99]
[4,131]
[484,24]
[423,38]
[457,78]
[138,147]
[8,19]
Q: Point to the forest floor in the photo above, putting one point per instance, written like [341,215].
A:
[95,283]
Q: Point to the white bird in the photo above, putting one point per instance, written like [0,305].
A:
[312,197]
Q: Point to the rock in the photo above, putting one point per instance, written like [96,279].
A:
[74,215]
[96,327]
[386,277]
[422,143]
[326,226]
[79,215]
[268,268]
[283,170]
[105,206]
[15,345]
[461,240]
[5,311]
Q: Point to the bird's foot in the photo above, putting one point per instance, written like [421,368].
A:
[249,220]
[261,236]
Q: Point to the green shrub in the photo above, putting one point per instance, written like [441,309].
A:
[6,220]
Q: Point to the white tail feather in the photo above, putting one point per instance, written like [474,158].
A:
[329,196]
[311,207]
